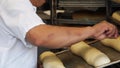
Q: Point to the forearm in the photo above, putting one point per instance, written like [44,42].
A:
[57,37]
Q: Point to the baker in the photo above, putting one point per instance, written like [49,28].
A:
[22,31]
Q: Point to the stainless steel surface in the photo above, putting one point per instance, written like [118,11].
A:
[72,61]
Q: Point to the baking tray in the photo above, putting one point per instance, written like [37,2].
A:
[73,61]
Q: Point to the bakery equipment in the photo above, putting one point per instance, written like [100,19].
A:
[106,7]
[70,6]
[73,61]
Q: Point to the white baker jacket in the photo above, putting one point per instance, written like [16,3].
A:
[17,17]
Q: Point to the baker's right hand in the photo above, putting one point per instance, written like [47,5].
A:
[105,29]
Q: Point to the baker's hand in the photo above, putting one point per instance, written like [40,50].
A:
[105,29]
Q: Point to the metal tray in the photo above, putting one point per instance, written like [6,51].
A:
[73,61]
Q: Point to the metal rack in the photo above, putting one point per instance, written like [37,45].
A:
[109,10]
[82,3]
[70,5]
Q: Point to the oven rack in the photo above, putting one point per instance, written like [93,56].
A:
[81,3]
[71,5]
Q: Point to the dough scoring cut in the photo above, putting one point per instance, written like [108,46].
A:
[90,54]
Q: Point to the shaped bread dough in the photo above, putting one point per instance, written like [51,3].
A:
[116,16]
[90,54]
[117,1]
[114,43]
[50,60]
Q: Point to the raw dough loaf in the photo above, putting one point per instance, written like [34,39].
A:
[90,54]
[50,60]
[117,1]
[116,16]
[88,15]
[114,43]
